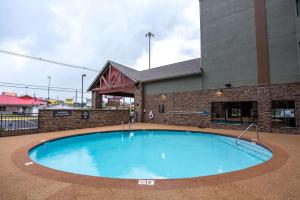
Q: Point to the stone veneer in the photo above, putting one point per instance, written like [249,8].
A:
[96,100]
[48,123]
[201,100]
[139,103]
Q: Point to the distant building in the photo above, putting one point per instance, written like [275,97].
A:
[114,101]
[10,103]
[69,101]
[53,101]
[88,102]
[59,106]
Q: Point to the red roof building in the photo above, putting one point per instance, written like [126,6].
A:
[12,103]
[19,101]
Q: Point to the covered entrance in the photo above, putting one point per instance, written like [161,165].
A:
[114,88]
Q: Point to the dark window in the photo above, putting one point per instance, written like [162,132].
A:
[283,113]
[298,7]
[2,108]
[299,52]
[234,112]
[161,108]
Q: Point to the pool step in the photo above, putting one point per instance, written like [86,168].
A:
[249,147]
[254,140]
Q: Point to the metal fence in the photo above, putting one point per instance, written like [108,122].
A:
[12,124]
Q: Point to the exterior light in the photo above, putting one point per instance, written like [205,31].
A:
[220,93]
[163,97]
[149,35]
[228,85]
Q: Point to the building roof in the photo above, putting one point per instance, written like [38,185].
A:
[7,100]
[184,68]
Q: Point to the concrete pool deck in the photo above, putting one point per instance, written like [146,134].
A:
[279,179]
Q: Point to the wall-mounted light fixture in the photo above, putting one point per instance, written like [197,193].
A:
[228,85]
[163,98]
[220,93]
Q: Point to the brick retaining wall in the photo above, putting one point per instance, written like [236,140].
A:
[47,122]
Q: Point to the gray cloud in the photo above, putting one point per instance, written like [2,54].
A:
[88,33]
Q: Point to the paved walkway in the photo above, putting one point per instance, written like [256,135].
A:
[281,183]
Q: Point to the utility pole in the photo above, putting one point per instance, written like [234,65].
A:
[49,77]
[83,75]
[149,35]
[76,98]
[200,36]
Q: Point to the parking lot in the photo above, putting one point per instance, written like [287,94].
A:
[18,122]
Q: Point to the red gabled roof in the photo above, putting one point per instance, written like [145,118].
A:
[6,100]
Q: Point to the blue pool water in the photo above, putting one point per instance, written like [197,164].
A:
[149,154]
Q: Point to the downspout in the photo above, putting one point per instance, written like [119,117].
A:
[201,69]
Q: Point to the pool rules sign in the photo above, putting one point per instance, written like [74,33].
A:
[62,113]
[85,114]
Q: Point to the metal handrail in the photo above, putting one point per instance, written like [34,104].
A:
[129,124]
[253,124]
[187,112]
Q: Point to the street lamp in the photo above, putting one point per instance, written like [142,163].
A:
[49,77]
[149,35]
[82,76]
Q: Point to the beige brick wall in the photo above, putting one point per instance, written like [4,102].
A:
[47,122]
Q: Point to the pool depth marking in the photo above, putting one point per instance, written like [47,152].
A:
[28,163]
[146,182]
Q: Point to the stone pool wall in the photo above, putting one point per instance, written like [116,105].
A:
[57,120]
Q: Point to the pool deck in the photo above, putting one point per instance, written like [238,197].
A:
[277,179]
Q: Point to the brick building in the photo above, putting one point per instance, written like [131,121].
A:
[249,71]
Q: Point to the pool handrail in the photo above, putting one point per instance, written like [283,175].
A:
[257,134]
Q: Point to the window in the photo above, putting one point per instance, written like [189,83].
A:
[283,113]
[161,108]
[234,112]
[299,51]
[298,7]
[2,108]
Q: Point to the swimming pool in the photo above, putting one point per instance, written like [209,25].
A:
[149,154]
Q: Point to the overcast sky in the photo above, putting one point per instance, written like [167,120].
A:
[88,33]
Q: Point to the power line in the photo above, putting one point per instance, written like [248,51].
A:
[46,60]
[37,88]
[40,86]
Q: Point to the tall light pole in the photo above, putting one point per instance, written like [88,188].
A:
[82,76]
[149,35]
[49,77]
[76,99]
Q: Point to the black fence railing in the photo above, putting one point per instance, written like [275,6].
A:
[18,124]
